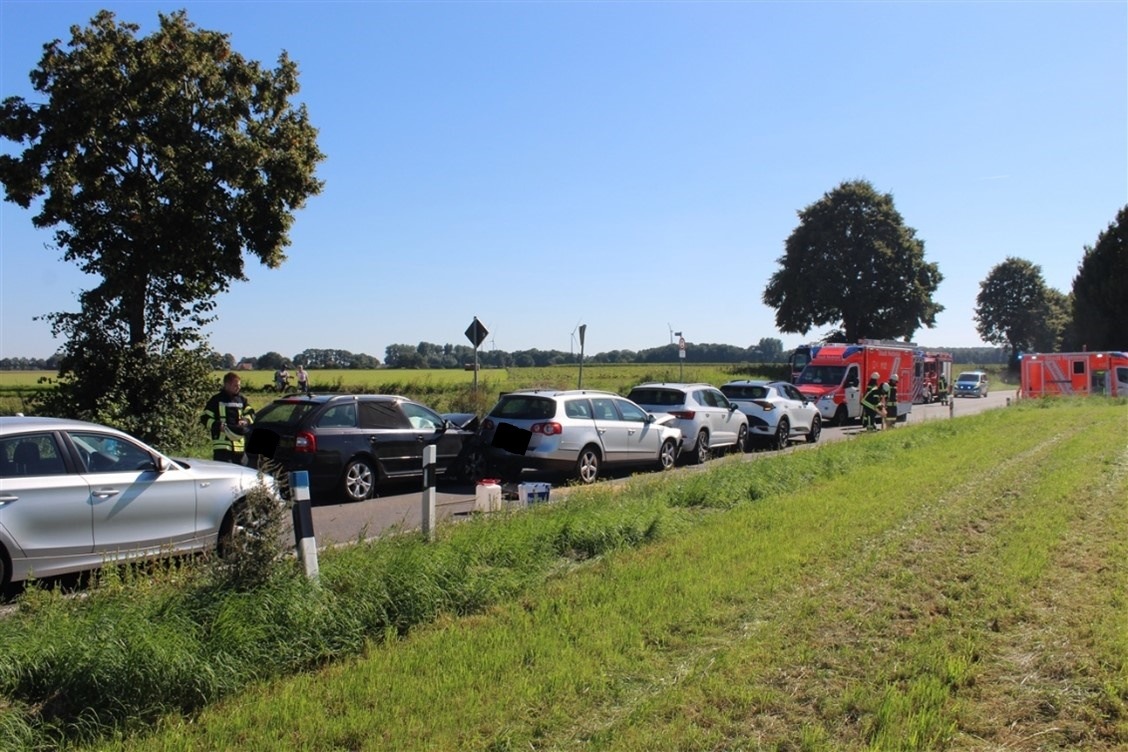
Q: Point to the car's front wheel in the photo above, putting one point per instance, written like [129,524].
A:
[359,480]
[841,416]
[783,431]
[816,430]
[667,454]
[587,465]
[472,466]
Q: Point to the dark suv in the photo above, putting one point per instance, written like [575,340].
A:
[351,443]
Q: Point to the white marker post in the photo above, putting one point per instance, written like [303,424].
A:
[430,455]
[303,523]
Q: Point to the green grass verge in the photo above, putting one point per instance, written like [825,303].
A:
[952,585]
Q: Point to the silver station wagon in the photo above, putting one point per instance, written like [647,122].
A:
[580,432]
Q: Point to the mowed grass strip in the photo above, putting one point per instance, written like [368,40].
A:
[960,585]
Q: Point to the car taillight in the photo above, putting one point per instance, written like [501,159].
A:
[548,429]
[764,404]
[305,442]
[684,414]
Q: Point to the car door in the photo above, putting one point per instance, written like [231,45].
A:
[430,428]
[852,387]
[390,437]
[134,505]
[612,429]
[643,437]
[724,419]
[802,411]
[44,509]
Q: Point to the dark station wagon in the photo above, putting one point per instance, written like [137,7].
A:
[350,444]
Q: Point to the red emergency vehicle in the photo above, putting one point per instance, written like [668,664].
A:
[1068,374]
[835,378]
[931,367]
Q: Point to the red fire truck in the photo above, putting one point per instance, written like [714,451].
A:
[1068,374]
[931,367]
[836,376]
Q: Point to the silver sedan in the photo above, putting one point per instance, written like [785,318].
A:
[77,495]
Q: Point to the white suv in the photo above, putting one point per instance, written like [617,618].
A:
[707,419]
[580,431]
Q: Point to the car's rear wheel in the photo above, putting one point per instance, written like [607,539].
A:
[667,454]
[5,570]
[816,430]
[587,465]
[700,452]
[783,430]
[741,440]
[359,480]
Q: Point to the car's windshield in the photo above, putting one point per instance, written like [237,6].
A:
[822,375]
[972,377]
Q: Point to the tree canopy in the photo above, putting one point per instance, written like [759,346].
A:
[160,161]
[1100,290]
[853,262]
[1016,309]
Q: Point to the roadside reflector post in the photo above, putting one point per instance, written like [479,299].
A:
[430,455]
[952,407]
[303,523]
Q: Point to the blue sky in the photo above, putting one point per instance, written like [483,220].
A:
[633,166]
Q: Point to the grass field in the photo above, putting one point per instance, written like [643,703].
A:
[955,585]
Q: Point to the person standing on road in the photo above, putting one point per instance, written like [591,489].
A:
[891,402]
[871,402]
[303,380]
[228,417]
[942,384]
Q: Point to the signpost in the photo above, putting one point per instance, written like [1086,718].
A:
[583,330]
[476,333]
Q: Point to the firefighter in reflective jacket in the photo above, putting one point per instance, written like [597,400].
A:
[228,416]
[872,404]
[891,402]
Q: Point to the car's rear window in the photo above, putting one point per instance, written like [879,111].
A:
[668,397]
[524,407]
[744,392]
[284,413]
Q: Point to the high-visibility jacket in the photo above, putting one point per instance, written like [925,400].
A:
[222,415]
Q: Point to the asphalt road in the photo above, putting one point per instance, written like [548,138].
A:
[401,507]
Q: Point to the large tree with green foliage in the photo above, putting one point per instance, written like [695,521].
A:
[160,160]
[1016,309]
[1100,291]
[853,262]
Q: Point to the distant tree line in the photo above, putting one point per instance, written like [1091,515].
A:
[30,364]
[311,359]
[430,355]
